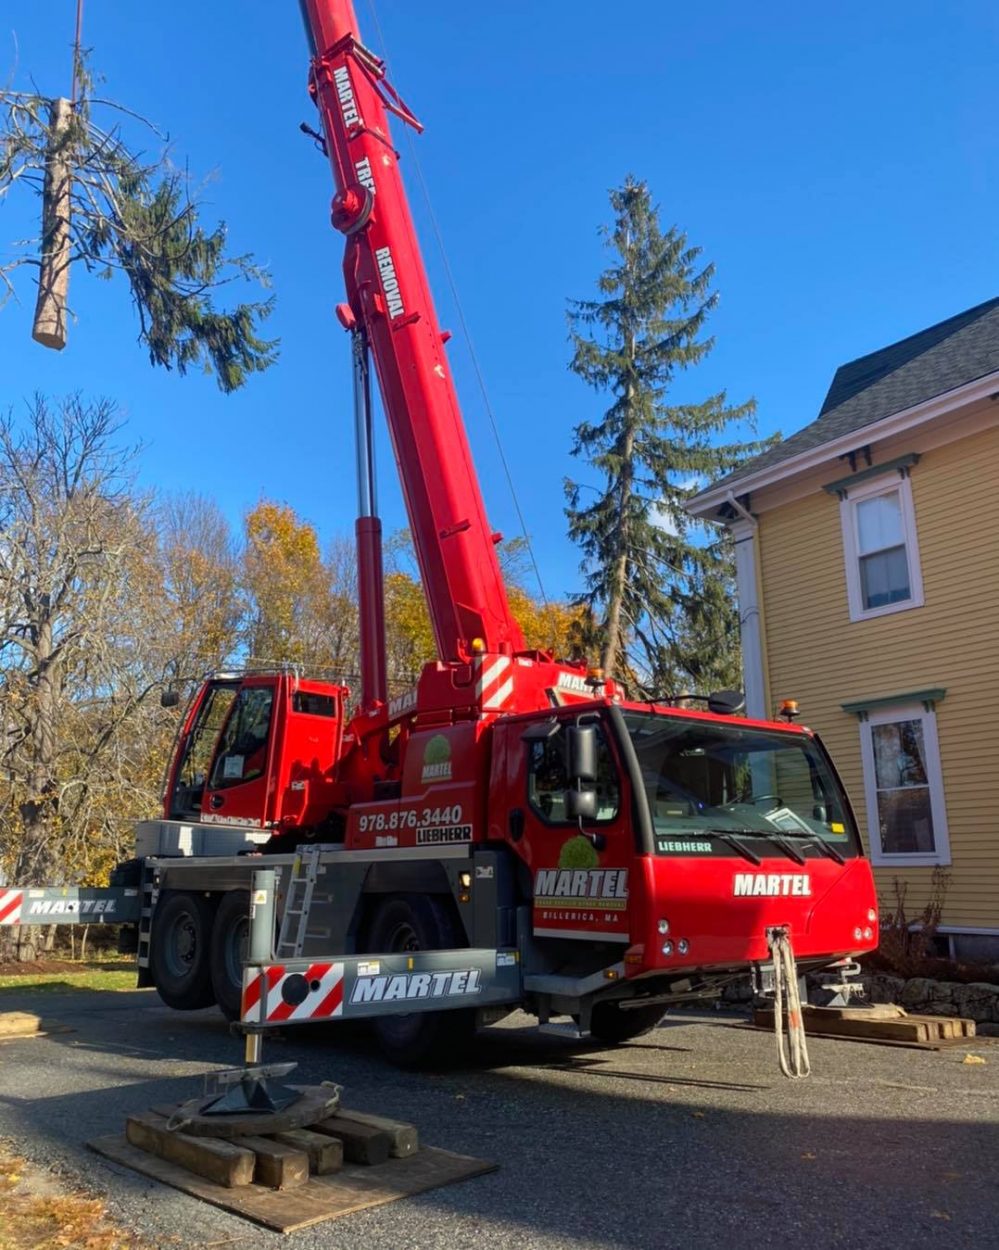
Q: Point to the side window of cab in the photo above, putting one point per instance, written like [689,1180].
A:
[243,747]
[548,778]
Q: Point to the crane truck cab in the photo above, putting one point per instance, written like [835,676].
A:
[680,837]
[257,749]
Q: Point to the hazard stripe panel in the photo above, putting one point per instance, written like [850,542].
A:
[274,996]
[11,902]
[494,681]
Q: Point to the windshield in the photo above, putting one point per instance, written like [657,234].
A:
[709,778]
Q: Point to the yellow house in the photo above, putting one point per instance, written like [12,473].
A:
[867,552]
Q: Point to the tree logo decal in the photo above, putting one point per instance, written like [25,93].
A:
[437,759]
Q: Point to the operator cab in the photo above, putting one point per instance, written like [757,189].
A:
[257,749]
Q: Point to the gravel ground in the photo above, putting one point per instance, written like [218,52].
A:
[687,1137]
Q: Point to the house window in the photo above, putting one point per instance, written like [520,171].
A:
[906,818]
[880,549]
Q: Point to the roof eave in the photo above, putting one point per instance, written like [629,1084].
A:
[708,501]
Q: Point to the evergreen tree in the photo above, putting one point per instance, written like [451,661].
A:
[660,587]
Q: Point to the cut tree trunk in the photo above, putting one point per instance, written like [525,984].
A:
[53,276]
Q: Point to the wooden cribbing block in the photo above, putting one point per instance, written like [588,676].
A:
[949,1026]
[219,1161]
[278,1166]
[325,1153]
[361,1143]
[404,1137]
[19,1023]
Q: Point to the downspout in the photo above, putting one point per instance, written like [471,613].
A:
[750,593]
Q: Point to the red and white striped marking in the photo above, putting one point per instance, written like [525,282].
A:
[11,902]
[494,681]
[324,1002]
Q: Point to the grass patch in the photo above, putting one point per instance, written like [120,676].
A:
[67,975]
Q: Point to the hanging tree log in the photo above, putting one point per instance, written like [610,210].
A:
[49,326]
[118,214]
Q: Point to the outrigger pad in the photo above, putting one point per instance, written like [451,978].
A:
[248,1089]
[205,1117]
[251,1094]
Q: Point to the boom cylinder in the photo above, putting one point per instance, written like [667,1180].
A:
[368,536]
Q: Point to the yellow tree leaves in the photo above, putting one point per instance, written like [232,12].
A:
[556,627]
[409,639]
[284,580]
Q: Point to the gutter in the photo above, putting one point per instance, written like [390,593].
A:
[980,389]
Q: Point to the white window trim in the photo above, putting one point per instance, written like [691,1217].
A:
[901,483]
[934,776]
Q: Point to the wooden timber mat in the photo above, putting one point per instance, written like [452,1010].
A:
[354,1188]
[17,1025]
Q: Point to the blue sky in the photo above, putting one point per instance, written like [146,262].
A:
[839,163]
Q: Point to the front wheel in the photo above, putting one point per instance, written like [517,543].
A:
[419,922]
[610,1024]
[178,954]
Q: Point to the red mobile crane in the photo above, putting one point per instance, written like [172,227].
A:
[512,832]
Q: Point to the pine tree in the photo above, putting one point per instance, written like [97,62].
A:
[659,586]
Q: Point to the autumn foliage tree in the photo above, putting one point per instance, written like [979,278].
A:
[556,627]
[110,595]
[284,582]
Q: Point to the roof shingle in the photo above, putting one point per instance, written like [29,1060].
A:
[912,371]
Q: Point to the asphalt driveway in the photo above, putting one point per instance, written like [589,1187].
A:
[688,1137]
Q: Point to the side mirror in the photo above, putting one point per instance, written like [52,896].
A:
[581,804]
[581,753]
[169,698]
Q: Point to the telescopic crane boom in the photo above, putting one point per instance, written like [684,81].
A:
[390,306]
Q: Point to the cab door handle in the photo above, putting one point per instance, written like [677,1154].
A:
[216,800]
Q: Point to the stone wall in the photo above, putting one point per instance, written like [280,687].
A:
[977,1000]
[920,996]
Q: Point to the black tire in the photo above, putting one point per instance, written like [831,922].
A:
[610,1024]
[178,957]
[419,922]
[230,936]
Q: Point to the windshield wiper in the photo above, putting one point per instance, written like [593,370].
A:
[777,836]
[816,839]
[731,838]
[791,852]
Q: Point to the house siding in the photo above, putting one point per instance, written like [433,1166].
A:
[817,655]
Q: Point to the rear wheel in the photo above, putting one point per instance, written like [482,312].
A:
[610,1023]
[419,922]
[230,937]
[178,957]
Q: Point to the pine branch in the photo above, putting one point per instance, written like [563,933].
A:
[137,217]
